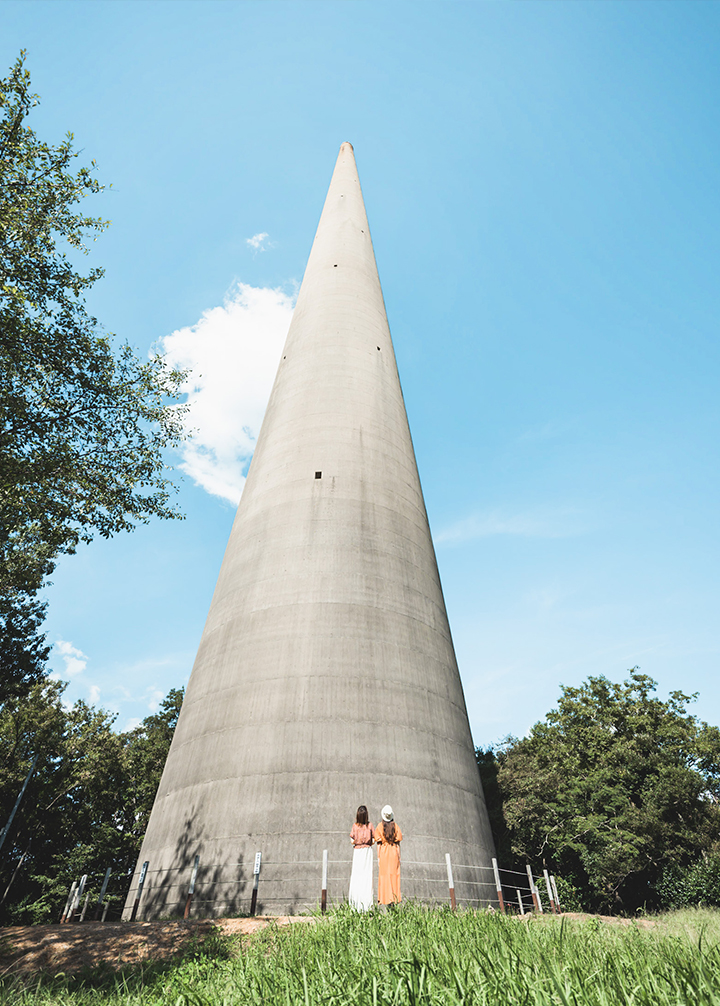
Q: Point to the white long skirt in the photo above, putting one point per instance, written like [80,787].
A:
[361,880]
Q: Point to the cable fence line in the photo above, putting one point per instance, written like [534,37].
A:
[510,890]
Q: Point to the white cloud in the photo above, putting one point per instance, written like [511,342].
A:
[559,523]
[75,660]
[154,697]
[232,353]
[257,242]
[93,695]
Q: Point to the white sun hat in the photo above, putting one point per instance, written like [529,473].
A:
[387,812]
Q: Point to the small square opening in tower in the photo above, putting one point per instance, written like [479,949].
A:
[318,475]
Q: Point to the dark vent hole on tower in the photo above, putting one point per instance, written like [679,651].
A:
[335,266]
[318,475]
[378,349]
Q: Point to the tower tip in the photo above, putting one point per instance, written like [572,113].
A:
[346,144]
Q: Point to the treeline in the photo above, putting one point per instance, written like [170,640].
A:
[617,793]
[84,429]
[87,803]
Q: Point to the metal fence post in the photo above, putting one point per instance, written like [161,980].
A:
[451,882]
[520,901]
[533,889]
[539,900]
[498,885]
[79,891]
[323,889]
[551,899]
[82,914]
[141,883]
[191,888]
[103,889]
[70,900]
[256,882]
[554,887]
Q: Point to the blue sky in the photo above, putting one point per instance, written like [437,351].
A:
[541,182]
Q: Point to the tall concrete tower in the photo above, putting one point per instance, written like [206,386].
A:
[326,675]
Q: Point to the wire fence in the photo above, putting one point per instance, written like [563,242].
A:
[294,887]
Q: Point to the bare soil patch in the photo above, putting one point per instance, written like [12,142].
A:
[72,947]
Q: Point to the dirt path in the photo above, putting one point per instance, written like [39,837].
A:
[70,948]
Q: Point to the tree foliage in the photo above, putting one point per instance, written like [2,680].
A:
[82,428]
[87,804]
[612,788]
[692,886]
[23,650]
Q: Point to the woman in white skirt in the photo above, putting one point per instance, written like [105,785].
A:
[361,878]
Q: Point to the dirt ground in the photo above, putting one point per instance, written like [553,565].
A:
[72,947]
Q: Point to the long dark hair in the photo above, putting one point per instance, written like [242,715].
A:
[389,830]
[362,816]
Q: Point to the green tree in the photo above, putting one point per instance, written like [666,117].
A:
[82,428]
[87,805]
[489,768]
[145,750]
[74,794]
[612,788]
[23,650]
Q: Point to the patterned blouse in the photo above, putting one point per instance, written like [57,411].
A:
[362,836]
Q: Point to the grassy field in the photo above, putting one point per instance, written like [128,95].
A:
[415,956]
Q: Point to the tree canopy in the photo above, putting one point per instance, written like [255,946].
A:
[610,789]
[88,802]
[82,427]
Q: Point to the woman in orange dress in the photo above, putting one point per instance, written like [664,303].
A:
[388,837]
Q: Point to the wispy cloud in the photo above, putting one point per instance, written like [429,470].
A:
[546,431]
[564,522]
[259,242]
[75,660]
[133,708]
[232,354]
[153,697]
[93,695]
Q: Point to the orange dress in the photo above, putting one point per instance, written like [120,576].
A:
[388,866]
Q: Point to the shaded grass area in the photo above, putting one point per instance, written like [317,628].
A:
[417,956]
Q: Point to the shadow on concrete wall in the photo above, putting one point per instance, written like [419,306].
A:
[221,888]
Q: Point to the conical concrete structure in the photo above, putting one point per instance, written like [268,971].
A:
[326,675]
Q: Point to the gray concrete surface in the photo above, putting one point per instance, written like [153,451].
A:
[326,675]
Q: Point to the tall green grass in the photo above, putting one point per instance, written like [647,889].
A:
[423,957]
